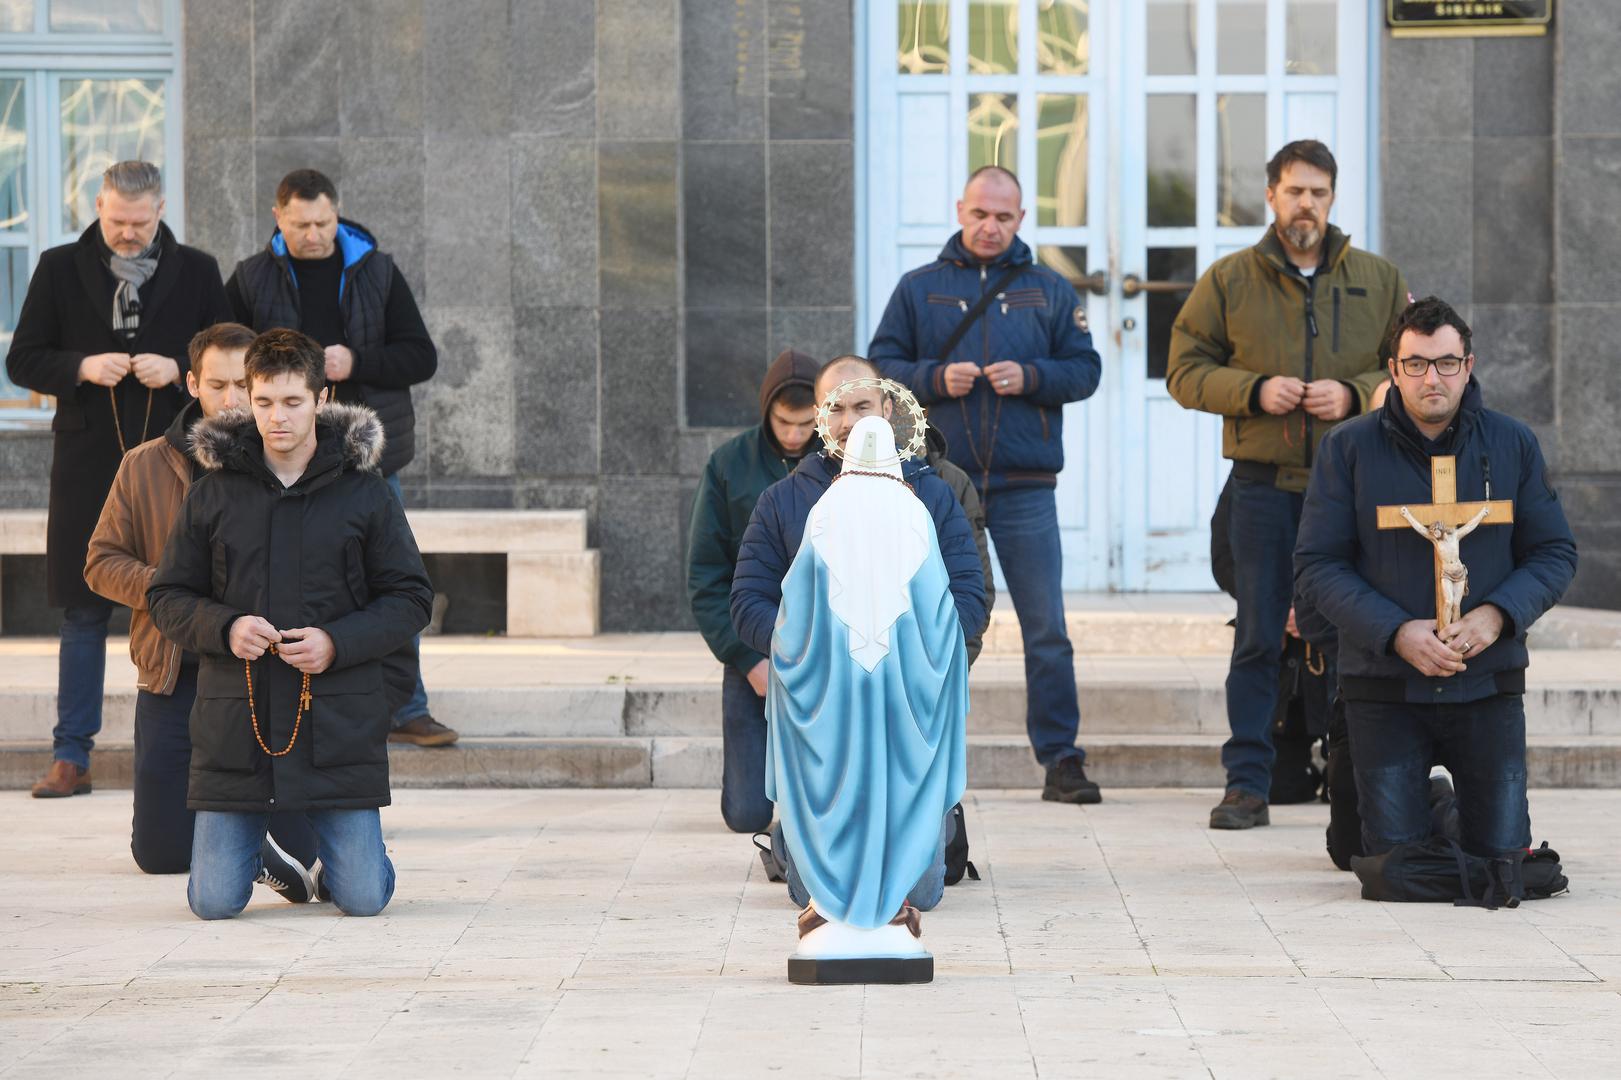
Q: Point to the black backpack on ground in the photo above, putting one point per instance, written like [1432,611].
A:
[957,850]
[1438,870]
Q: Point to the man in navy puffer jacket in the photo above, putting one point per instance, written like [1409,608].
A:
[1414,694]
[999,400]
[778,525]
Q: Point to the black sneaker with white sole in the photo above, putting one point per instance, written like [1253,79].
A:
[285,874]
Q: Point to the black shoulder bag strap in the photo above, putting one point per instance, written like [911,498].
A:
[985,301]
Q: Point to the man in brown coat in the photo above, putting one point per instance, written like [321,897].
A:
[135,523]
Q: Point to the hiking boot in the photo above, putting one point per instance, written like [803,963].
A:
[1239,810]
[284,873]
[62,780]
[1067,782]
[423,731]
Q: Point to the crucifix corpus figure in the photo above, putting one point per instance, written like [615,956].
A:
[1452,576]
[1444,523]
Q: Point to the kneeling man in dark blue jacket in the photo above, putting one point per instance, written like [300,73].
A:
[777,527]
[1413,694]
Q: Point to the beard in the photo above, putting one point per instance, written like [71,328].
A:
[1303,234]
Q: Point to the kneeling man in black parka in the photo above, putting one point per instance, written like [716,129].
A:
[292,573]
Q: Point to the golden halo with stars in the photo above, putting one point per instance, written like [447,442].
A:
[904,401]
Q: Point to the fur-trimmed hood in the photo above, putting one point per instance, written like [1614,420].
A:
[220,441]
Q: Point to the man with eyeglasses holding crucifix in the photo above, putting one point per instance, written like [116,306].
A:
[1432,651]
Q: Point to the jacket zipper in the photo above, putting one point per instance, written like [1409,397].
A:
[1311,335]
[1336,318]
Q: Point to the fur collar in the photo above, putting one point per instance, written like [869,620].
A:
[215,442]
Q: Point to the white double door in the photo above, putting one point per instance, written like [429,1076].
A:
[1140,130]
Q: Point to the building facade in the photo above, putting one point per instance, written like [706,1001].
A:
[615,213]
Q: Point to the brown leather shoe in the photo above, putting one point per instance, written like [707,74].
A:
[423,731]
[63,779]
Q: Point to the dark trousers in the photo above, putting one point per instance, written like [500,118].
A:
[1023,523]
[743,804]
[161,835]
[1262,528]
[1481,743]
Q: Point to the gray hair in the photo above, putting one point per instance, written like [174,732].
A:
[131,178]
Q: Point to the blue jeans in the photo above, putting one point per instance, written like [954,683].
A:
[1023,523]
[161,831]
[355,867]
[417,706]
[1262,530]
[81,673]
[925,895]
[1482,743]
[743,804]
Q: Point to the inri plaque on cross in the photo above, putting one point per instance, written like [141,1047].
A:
[1445,522]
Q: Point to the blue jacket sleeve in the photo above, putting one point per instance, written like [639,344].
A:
[1071,373]
[762,563]
[1326,553]
[894,349]
[961,556]
[1544,547]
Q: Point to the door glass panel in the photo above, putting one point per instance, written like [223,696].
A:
[1311,38]
[105,121]
[13,284]
[993,37]
[1240,159]
[993,131]
[1241,37]
[107,16]
[1166,264]
[1170,145]
[925,40]
[1068,261]
[1172,26]
[1063,45]
[13,154]
[16,16]
[1061,152]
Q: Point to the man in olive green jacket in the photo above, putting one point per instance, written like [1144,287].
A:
[1283,341]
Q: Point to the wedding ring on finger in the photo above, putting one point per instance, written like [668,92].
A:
[1004,382]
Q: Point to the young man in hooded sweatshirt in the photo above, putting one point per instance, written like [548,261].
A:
[291,573]
[738,471]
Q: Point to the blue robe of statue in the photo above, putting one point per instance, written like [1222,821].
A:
[864,764]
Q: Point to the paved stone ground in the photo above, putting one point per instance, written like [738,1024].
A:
[626,934]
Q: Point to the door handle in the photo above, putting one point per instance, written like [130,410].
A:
[1096,283]
[1131,285]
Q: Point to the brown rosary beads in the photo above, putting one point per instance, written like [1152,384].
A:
[304,700]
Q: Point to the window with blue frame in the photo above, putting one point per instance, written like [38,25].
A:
[83,83]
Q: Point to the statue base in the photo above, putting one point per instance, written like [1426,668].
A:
[835,953]
[825,971]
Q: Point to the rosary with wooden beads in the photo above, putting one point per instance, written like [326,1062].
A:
[298,717]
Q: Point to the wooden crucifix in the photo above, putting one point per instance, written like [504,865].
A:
[1444,522]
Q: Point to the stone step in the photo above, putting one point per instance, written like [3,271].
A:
[1181,698]
[1197,624]
[994,761]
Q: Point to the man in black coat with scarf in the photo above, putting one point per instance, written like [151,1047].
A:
[291,573]
[101,330]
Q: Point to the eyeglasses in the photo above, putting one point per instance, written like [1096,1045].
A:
[1416,366]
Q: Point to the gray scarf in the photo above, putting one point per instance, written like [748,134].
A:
[131,275]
